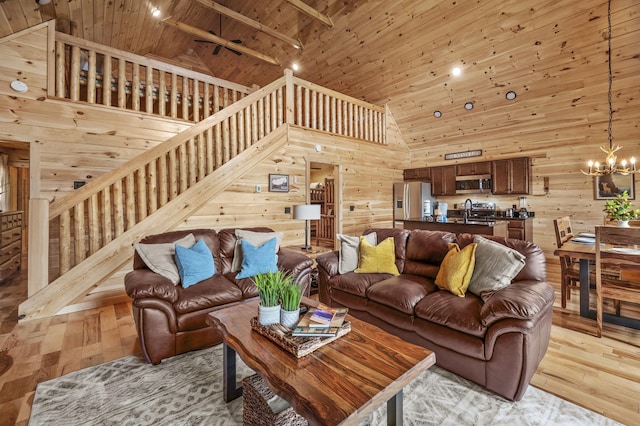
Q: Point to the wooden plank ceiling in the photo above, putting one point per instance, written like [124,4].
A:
[395,52]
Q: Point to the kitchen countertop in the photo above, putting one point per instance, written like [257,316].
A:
[497,228]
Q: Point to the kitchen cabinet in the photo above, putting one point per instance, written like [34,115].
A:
[481,168]
[511,176]
[497,228]
[10,244]
[443,180]
[521,229]
[421,173]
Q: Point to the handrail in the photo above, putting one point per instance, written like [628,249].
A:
[136,83]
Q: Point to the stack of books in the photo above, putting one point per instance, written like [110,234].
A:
[322,321]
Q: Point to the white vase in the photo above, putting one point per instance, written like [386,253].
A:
[289,318]
[623,223]
[268,315]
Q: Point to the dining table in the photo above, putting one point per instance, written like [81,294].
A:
[583,248]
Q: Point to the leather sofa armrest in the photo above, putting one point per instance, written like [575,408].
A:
[294,262]
[523,300]
[329,262]
[144,283]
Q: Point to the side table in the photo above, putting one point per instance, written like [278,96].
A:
[312,253]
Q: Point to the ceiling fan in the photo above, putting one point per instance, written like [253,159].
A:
[216,50]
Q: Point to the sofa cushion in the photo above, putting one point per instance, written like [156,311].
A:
[258,260]
[214,291]
[426,248]
[350,251]
[194,264]
[458,313]
[496,266]
[456,269]
[400,239]
[377,259]
[401,292]
[256,239]
[160,259]
[356,284]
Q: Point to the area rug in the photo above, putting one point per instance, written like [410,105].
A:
[187,390]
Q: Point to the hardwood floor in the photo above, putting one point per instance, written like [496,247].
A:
[602,375]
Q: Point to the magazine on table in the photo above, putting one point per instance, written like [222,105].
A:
[308,327]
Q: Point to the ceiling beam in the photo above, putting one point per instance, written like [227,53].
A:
[219,40]
[309,11]
[250,22]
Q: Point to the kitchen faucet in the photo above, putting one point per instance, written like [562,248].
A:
[468,204]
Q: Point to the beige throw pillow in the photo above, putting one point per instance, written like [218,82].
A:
[160,258]
[350,251]
[256,239]
[496,265]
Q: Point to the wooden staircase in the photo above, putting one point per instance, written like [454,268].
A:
[96,226]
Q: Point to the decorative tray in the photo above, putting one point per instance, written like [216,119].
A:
[298,346]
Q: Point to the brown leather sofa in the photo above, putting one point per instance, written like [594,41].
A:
[496,341]
[169,319]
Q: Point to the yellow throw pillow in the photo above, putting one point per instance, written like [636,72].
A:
[457,268]
[377,259]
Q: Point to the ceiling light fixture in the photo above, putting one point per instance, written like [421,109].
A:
[41,2]
[510,95]
[437,114]
[456,71]
[155,12]
[610,165]
[295,66]
[468,106]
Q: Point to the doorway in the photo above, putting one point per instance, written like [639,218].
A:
[323,179]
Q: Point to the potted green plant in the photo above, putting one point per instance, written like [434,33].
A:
[290,297]
[269,285]
[620,209]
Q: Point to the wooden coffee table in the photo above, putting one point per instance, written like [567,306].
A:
[339,383]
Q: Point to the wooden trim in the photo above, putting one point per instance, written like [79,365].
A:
[311,12]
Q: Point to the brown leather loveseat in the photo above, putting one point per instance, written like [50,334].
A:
[496,340]
[170,319]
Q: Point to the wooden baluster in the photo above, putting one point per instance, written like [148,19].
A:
[206,106]
[183,176]
[122,82]
[75,74]
[174,95]
[185,98]
[233,122]
[173,174]
[162,93]
[339,110]
[226,148]
[64,242]
[254,123]
[267,114]
[106,80]
[327,113]
[314,110]
[130,200]
[202,155]
[135,87]
[321,112]
[261,118]
[195,101]
[298,106]
[192,158]
[350,120]
[274,110]
[241,142]
[148,92]
[94,224]
[91,78]
[141,196]
[107,208]
[152,187]
[79,234]
[211,155]
[60,70]
[163,184]
[118,209]
[218,128]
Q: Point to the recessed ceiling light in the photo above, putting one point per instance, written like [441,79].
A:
[437,114]
[19,86]
[510,95]
[155,12]
[468,106]
[456,71]
[295,66]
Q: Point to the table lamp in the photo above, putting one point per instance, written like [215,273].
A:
[306,212]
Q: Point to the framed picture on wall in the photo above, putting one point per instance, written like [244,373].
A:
[606,187]
[278,183]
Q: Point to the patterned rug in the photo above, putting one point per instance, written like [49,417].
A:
[187,390]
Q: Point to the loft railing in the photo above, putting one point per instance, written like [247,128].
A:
[86,220]
[96,74]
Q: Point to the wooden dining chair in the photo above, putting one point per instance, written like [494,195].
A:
[569,269]
[616,246]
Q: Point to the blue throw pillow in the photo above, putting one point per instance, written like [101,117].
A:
[258,260]
[194,264]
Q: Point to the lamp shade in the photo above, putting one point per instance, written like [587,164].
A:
[307,212]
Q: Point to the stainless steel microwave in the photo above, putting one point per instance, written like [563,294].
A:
[473,184]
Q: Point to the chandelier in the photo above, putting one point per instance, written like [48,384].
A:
[610,165]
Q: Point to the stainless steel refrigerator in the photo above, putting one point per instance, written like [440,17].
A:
[412,201]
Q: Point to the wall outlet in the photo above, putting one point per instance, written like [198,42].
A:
[258,188]
[352,208]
